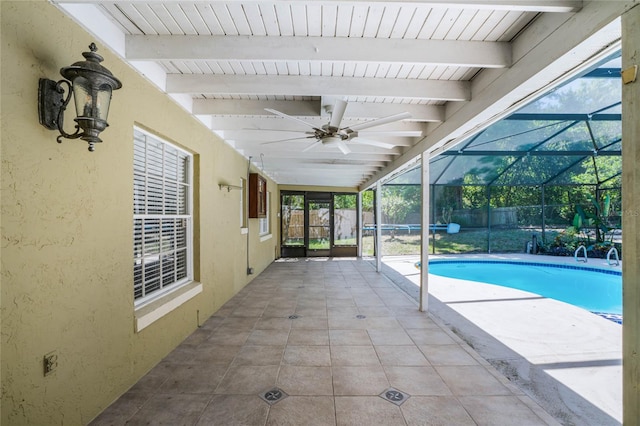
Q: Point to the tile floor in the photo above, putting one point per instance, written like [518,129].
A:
[323,342]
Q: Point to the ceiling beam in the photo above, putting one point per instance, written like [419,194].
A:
[297,85]
[355,110]
[472,54]
[270,122]
[558,6]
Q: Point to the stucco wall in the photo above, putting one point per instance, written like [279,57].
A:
[66,220]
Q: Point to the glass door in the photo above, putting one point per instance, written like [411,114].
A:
[319,228]
[292,225]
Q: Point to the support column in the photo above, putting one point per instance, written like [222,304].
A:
[424,240]
[631,219]
[378,226]
[359,222]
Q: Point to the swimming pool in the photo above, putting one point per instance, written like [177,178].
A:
[597,290]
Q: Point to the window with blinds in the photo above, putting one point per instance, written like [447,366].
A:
[162,217]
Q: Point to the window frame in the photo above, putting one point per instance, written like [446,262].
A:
[187,219]
[265,222]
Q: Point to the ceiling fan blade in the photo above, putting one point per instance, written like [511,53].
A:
[343,147]
[283,115]
[373,143]
[380,121]
[290,139]
[313,145]
[395,133]
[337,113]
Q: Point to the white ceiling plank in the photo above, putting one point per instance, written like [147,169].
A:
[446,23]
[343,20]
[554,6]
[177,14]
[195,18]
[236,10]
[443,52]
[210,19]
[329,16]
[132,13]
[317,86]
[285,21]
[299,19]
[403,21]
[372,23]
[160,18]
[458,27]
[225,19]
[358,20]
[417,22]
[269,19]
[254,18]
[116,14]
[389,19]
[314,25]
[430,25]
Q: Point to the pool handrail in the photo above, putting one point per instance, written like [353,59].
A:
[615,252]
[575,255]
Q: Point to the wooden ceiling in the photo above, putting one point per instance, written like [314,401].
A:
[455,66]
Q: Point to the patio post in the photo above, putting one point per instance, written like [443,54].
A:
[424,240]
[378,226]
[630,217]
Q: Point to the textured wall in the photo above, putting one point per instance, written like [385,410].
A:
[67,231]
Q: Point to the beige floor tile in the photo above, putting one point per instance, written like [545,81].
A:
[318,356]
[120,411]
[301,380]
[421,321]
[214,354]
[500,410]
[347,322]
[303,410]
[367,410]
[435,411]
[430,336]
[165,409]
[259,355]
[194,379]
[248,379]
[401,355]
[268,337]
[275,322]
[417,381]
[234,410]
[447,355]
[390,337]
[471,380]
[349,337]
[353,355]
[310,323]
[359,380]
[228,336]
[299,337]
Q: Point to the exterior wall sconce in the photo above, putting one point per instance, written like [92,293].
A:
[91,85]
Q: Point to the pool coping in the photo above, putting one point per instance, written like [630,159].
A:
[570,367]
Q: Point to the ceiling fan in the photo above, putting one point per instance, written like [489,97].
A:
[332,134]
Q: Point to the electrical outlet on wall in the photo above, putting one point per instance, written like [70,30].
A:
[50,362]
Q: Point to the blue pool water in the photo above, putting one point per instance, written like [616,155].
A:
[593,289]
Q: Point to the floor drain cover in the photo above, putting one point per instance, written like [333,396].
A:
[273,395]
[394,396]
[361,316]
[293,317]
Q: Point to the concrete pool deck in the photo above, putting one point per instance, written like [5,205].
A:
[568,359]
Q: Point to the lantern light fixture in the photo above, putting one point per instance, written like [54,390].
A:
[91,85]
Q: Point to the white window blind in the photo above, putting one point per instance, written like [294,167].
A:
[162,219]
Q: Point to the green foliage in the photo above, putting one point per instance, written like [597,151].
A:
[398,201]
[596,219]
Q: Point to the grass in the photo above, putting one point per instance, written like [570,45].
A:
[467,241]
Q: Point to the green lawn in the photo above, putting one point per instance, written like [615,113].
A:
[466,241]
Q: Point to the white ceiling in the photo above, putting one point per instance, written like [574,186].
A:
[455,66]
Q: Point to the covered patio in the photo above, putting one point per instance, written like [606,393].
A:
[323,341]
